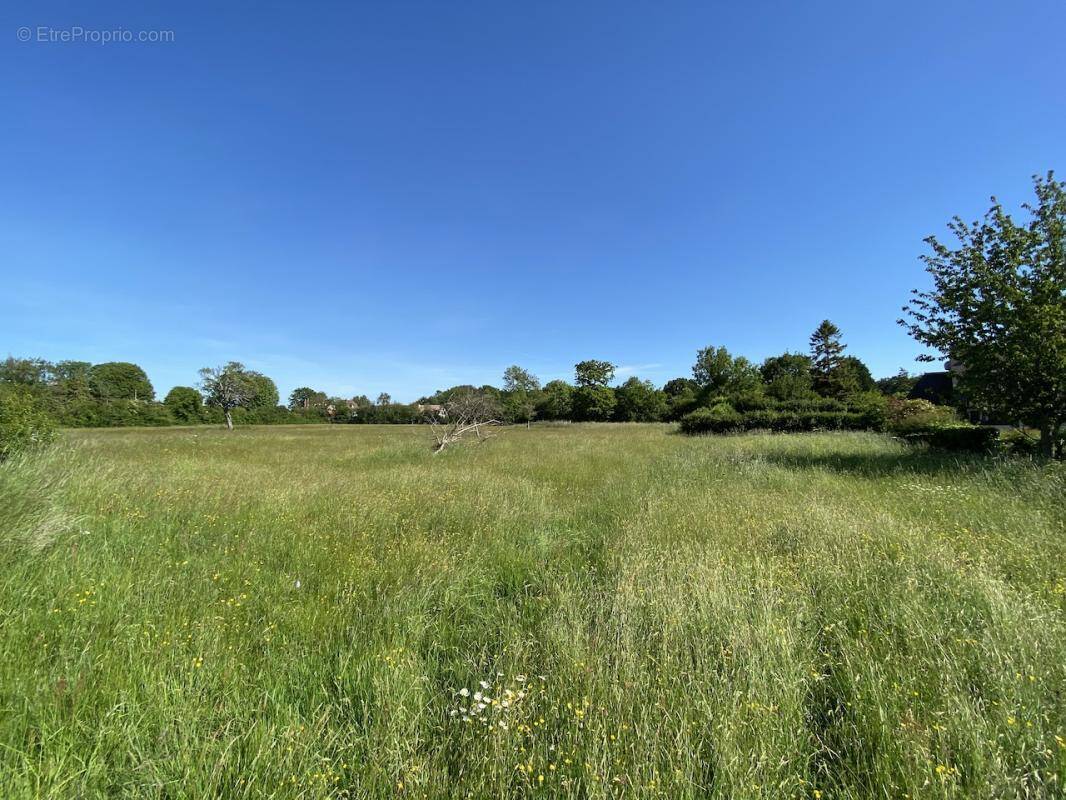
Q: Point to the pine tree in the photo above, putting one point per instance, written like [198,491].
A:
[827,355]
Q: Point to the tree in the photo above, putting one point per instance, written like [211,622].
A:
[639,401]
[120,380]
[593,373]
[185,404]
[384,399]
[25,371]
[556,400]
[717,372]
[898,385]
[855,376]
[520,388]
[72,380]
[827,352]
[593,403]
[682,396]
[306,398]
[787,376]
[228,387]
[266,392]
[517,379]
[998,309]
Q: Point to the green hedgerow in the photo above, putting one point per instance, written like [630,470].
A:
[23,425]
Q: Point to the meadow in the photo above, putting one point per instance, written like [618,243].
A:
[588,611]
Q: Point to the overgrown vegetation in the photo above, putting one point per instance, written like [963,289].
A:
[23,425]
[584,611]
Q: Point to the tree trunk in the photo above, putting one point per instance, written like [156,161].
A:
[229,420]
[1048,429]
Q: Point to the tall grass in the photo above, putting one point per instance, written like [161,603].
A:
[311,612]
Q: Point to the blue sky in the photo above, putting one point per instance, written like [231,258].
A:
[368,197]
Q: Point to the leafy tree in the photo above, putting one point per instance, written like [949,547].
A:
[899,384]
[120,380]
[228,387]
[788,376]
[639,401]
[827,353]
[185,404]
[25,371]
[517,379]
[593,373]
[678,386]
[306,398]
[72,381]
[998,308]
[519,397]
[682,396]
[266,392]
[712,367]
[384,399]
[717,372]
[593,403]
[361,401]
[556,400]
[855,376]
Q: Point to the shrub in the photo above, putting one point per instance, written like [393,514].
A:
[1017,443]
[722,418]
[23,425]
[957,438]
[906,416]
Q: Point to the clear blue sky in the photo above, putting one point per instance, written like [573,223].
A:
[379,196]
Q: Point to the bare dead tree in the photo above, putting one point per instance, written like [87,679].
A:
[465,412]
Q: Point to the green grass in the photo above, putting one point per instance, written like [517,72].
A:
[292,612]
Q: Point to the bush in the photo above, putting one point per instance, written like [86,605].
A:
[957,438]
[915,416]
[23,425]
[1017,443]
[724,419]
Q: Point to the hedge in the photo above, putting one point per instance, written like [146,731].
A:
[969,439]
[719,420]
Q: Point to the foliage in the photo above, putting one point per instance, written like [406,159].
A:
[717,372]
[912,415]
[593,403]
[23,425]
[556,400]
[384,399]
[827,355]
[957,438]
[517,379]
[724,419]
[264,392]
[185,404]
[788,376]
[899,384]
[305,397]
[998,308]
[120,380]
[854,376]
[593,373]
[639,401]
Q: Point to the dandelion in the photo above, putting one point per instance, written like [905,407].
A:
[464,692]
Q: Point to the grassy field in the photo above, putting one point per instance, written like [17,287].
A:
[582,611]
